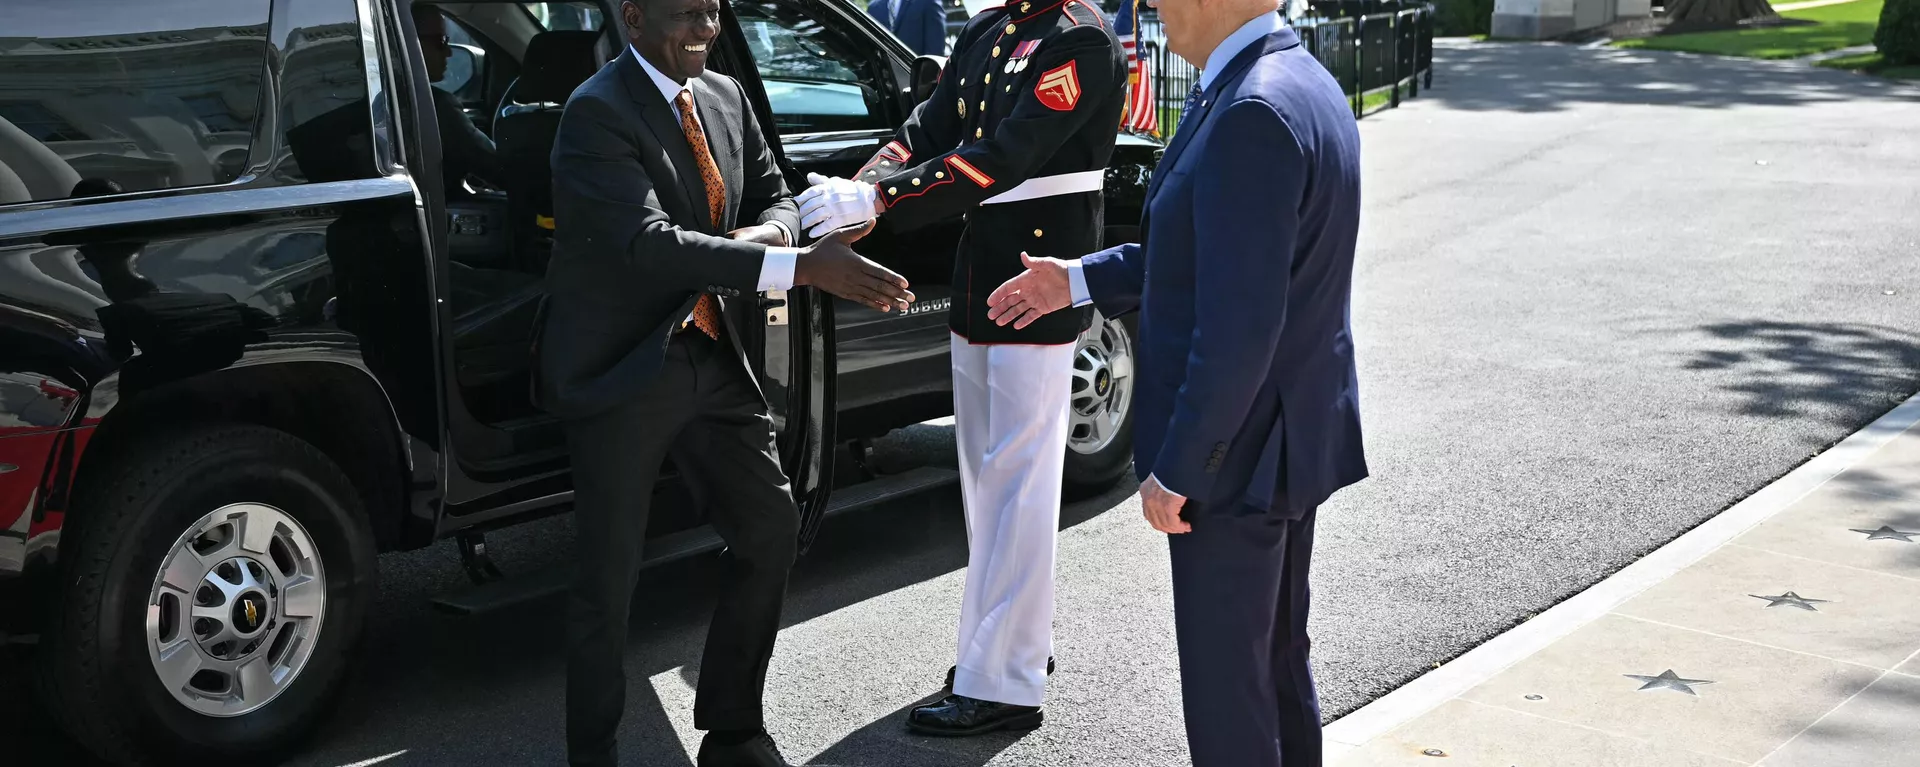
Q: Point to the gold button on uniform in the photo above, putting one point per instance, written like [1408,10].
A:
[996,50]
[983,105]
[963,81]
[976,133]
[1010,29]
[1037,233]
[989,78]
[939,174]
[1025,6]
[893,190]
[916,182]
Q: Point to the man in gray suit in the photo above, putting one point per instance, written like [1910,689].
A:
[656,164]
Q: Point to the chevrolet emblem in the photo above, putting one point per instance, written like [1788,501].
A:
[253,614]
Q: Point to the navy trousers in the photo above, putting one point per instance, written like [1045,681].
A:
[1240,618]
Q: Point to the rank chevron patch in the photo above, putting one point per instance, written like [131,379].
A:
[1059,88]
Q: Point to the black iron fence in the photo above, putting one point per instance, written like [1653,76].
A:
[1380,52]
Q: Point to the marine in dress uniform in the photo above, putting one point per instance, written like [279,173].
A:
[1016,135]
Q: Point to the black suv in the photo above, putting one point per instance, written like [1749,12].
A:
[251,334]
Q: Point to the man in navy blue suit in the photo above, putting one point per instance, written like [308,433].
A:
[1247,403]
[921,24]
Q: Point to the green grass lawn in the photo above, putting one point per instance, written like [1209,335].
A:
[1838,26]
[1872,64]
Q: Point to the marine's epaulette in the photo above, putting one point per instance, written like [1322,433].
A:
[1084,14]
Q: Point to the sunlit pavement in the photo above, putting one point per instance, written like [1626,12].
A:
[1785,632]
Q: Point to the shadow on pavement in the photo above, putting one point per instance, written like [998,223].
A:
[1802,370]
[490,689]
[1546,77]
[886,743]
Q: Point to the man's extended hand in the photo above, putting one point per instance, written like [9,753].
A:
[836,203]
[1043,288]
[831,265]
[1162,508]
[765,234]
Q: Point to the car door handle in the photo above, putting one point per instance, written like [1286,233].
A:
[774,303]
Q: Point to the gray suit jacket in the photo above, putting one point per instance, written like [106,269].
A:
[634,244]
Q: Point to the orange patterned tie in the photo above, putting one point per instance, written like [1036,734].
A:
[706,311]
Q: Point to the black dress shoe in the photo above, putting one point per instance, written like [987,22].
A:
[757,751]
[959,715]
[949,687]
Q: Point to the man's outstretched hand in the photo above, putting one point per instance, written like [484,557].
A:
[831,265]
[1040,290]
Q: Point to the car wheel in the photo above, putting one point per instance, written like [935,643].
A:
[1100,419]
[215,586]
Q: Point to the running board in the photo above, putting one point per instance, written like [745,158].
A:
[541,584]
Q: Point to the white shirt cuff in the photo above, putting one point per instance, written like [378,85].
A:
[1077,284]
[1163,486]
[776,268]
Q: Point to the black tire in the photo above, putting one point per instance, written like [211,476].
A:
[97,674]
[1089,474]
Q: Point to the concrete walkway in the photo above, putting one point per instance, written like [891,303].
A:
[1784,632]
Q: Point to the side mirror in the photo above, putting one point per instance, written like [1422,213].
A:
[464,62]
[926,74]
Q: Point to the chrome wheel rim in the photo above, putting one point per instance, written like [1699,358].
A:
[1102,386]
[236,609]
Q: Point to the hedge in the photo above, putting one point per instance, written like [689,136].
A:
[1898,37]
[1460,18]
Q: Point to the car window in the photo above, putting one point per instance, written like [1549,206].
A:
[324,109]
[583,17]
[165,97]
[812,76]
[464,77]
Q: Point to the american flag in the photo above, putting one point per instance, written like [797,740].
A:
[1141,115]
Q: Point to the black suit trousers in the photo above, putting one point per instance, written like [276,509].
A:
[704,411]
[1240,621]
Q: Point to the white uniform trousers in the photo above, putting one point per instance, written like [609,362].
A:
[1010,406]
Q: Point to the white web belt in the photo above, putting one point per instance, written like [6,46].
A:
[1049,186]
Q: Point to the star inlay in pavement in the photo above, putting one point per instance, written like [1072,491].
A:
[1791,600]
[1667,680]
[1886,533]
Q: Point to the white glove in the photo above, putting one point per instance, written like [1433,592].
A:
[832,203]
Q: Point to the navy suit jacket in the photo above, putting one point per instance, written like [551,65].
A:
[922,24]
[1246,393]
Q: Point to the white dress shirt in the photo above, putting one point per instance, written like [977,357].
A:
[1248,34]
[776,268]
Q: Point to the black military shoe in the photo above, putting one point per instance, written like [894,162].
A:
[757,751]
[959,715]
[949,687]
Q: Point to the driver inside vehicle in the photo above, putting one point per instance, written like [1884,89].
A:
[464,150]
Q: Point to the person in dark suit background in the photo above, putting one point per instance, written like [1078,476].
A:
[1248,405]
[464,150]
[921,24]
[655,163]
